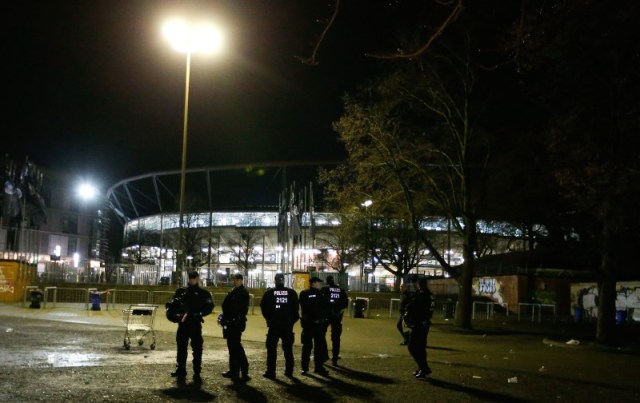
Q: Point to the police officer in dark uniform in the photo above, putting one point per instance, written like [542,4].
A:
[196,303]
[279,307]
[406,297]
[234,311]
[315,309]
[338,301]
[418,318]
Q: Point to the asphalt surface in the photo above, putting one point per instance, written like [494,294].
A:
[68,354]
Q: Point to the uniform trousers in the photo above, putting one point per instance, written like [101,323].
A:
[336,332]
[313,338]
[276,333]
[418,344]
[189,330]
[237,358]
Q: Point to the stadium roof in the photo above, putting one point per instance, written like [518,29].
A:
[216,188]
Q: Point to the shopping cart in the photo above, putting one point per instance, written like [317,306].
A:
[138,320]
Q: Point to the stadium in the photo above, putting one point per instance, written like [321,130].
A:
[257,220]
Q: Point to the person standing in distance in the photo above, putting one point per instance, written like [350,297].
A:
[338,301]
[279,307]
[197,303]
[234,311]
[406,297]
[418,317]
[314,307]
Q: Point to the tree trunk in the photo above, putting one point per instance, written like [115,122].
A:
[605,328]
[465,280]
[396,286]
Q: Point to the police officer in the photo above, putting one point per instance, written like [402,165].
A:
[406,297]
[418,317]
[234,311]
[314,308]
[338,301]
[279,307]
[196,303]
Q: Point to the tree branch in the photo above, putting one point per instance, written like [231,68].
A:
[313,61]
[401,55]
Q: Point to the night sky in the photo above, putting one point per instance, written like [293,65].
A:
[92,88]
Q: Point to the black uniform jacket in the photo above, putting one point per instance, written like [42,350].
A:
[337,298]
[236,305]
[196,302]
[279,307]
[314,306]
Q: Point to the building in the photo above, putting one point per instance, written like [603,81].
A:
[61,233]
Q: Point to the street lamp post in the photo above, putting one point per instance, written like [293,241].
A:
[366,204]
[188,39]
[89,193]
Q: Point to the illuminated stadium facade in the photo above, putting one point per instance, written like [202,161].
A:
[239,220]
[223,205]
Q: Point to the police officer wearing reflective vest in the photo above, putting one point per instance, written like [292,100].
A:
[315,310]
[279,307]
[195,303]
[418,317]
[338,301]
[234,310]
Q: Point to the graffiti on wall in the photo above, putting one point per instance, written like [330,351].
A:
[488,287]
[6,285]
[585,296]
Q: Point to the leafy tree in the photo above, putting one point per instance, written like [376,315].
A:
[346,242]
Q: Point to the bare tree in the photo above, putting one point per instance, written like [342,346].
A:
[242,243]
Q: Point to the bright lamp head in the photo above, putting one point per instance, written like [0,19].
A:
[87,191]
[197,38]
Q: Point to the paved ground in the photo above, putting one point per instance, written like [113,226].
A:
[70,354]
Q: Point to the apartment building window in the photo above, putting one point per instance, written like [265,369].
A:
[70,225]
[73,245]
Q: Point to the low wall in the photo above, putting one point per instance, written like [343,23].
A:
[14,276]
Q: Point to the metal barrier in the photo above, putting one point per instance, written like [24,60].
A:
[489,308]
[539,308]
[46,296]
[128,297]
[391,301]
[218,298]
[252,300]
[160,297]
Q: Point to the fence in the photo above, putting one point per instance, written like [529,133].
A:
[373,305]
